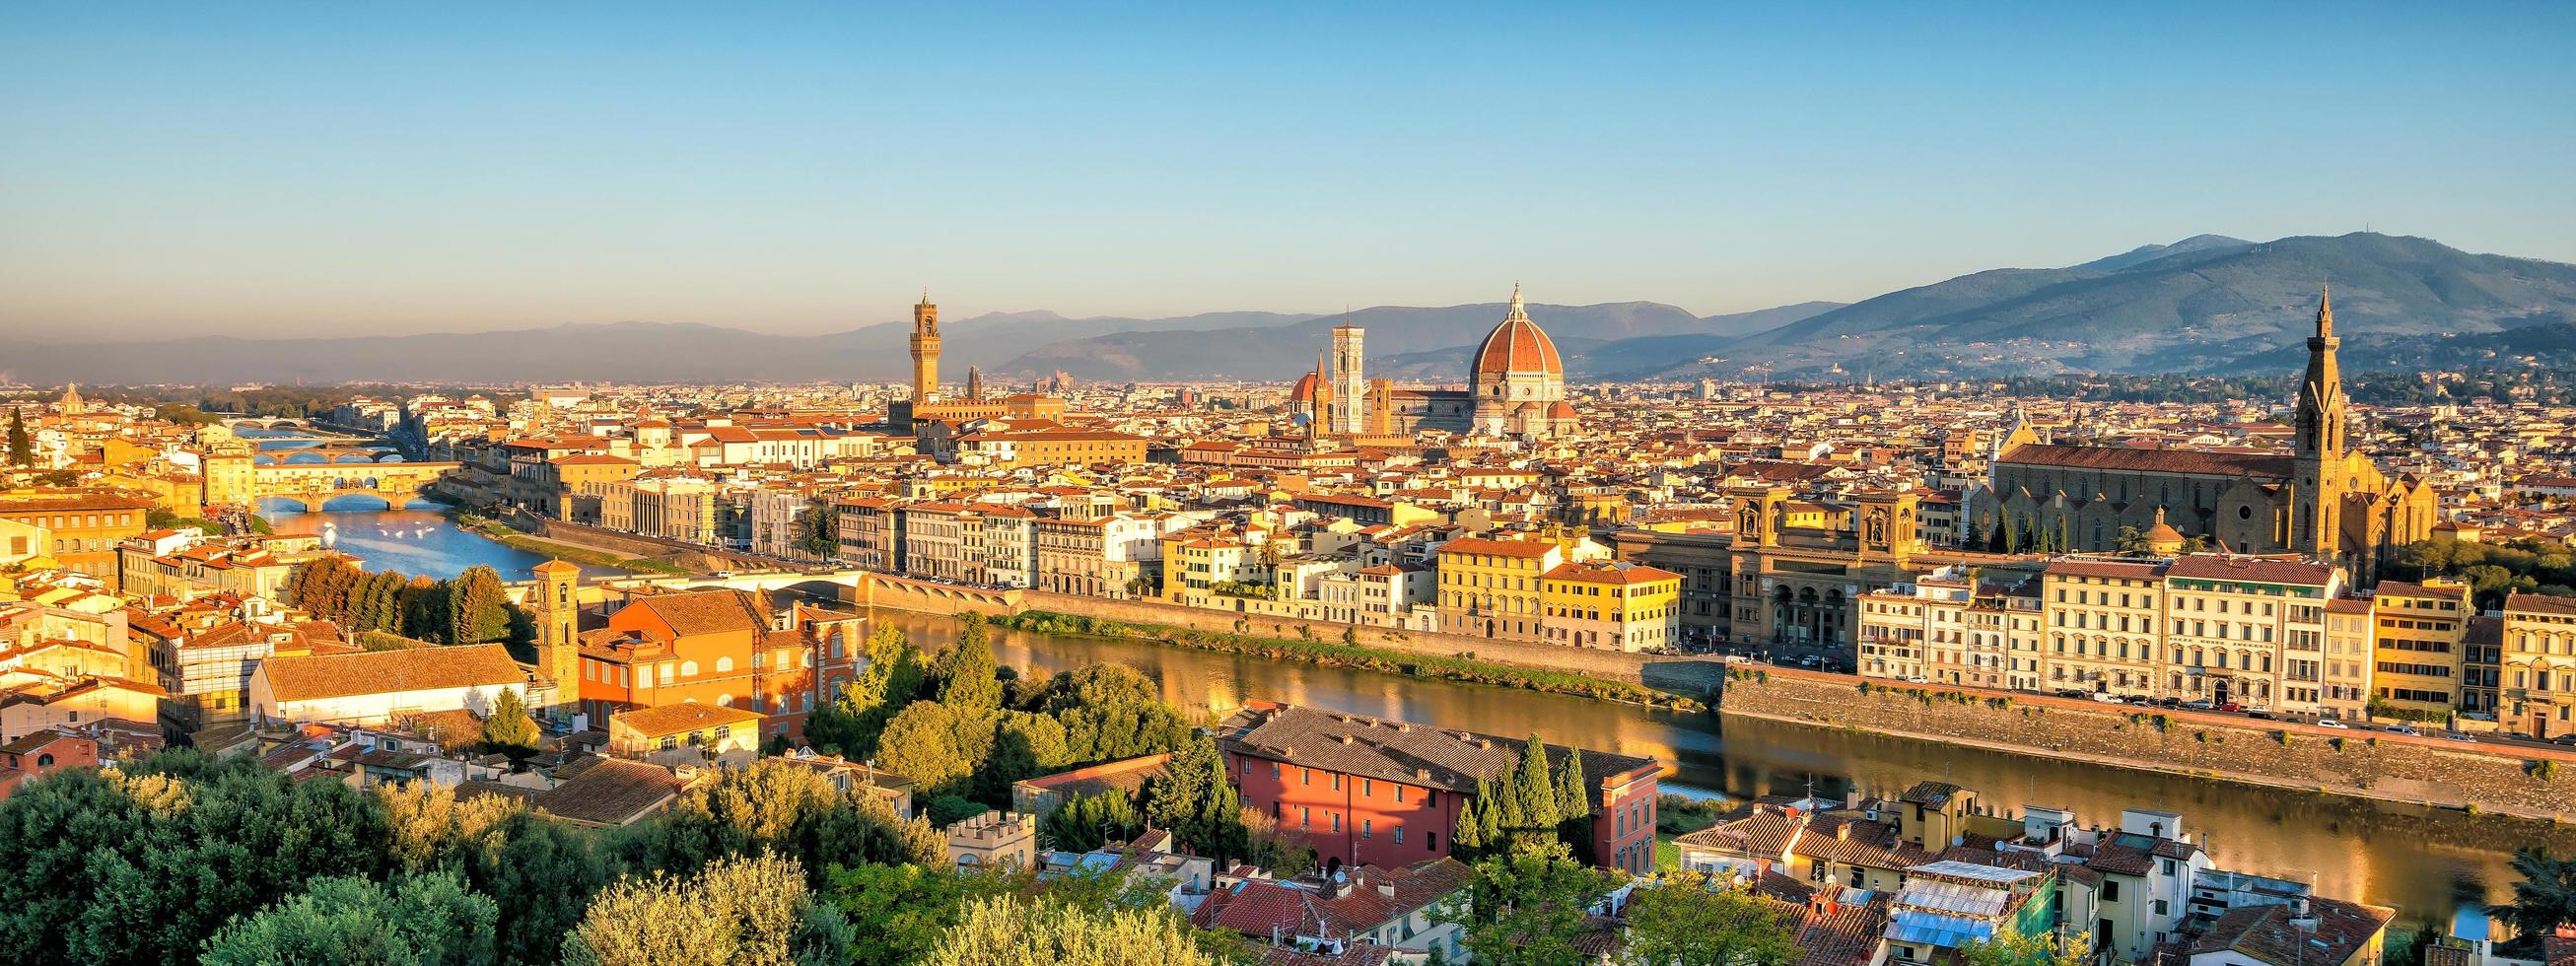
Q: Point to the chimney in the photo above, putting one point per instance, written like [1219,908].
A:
[1843,831]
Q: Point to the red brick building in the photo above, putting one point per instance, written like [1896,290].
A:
[39,753]
[715,647]
[1370,791]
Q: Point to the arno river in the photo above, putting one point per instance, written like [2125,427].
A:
[2424,862]
[415,539]
[2421,861]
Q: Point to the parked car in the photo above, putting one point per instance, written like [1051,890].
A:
[2200,704]
[2259,715]
[2565,739]
[2073,693]
[2107,697]
[2231,706]
[2399,729]
[2459,736]
[1918,679]
[2332,723]
[2169,702]
[1736,659]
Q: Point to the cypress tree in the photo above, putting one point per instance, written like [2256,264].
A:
[1533,792]
[1573,800]
[475,611]
[22,451]
[1468,839]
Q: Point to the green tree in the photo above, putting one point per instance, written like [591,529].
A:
[2546,895]
[22,450]
[778,807]
[818,532]
[476,607]
[900,912]
[1087,822]
[1573,800]
[1527,906]
[1024,746]
[508,729]
[931,743]
[754,911]
[2010,948]
[968,676]
[853,722]
[1010,931]
[1194,799]
[1690,919]
[430,920]
[423,603]
[430,828]
[1530,794]
[167,849]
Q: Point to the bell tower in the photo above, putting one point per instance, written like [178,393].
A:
[558,608]
[925,351]
[2321,477]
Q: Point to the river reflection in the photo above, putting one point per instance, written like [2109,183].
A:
[2424,862]
[418,540]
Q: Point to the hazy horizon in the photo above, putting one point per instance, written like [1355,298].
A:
[304,170]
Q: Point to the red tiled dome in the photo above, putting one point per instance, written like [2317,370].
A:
[1518,345]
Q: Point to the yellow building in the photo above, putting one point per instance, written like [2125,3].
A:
[1198,559]
[2102,628]
[231,477]
[2249,630]
[2419,645]
[1620,607]
[2537,696]
[82,527]
[1491,588]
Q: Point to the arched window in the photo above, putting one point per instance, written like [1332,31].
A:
[724,664]
[688,669]
[724,700]
[45,760]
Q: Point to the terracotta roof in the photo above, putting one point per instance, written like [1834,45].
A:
[705,611]
[1517,345]
[2123,459]
[664,719]
[1393,751]
[2258,569]
[2269,933]
[609,791]
[2539,604]
[384,672]
[1499,548]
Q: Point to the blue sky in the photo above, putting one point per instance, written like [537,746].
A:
[369,168]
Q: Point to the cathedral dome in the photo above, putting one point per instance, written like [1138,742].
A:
[1518,345]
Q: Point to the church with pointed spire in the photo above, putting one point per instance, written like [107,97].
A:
[2323,499]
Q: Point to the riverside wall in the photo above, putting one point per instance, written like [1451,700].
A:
[1687,676]
[2359,763]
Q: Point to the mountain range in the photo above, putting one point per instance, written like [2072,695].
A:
[2203,304]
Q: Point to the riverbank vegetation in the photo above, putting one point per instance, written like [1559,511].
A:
[1452,668]
[516,539]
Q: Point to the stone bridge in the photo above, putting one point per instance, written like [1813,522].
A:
[314,484]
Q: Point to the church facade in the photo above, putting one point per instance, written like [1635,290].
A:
[2322,499]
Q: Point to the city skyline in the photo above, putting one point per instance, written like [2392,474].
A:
[319,171]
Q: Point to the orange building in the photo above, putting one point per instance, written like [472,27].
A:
[713,647]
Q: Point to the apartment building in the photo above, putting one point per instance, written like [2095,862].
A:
[2538,695]
[2103,619]
[1611,606]
[2351,658]
[2419,652]
[2249,630]
[1491,588]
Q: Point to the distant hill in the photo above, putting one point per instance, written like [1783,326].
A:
[1413,344]
[2200,305]
[2203,304]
